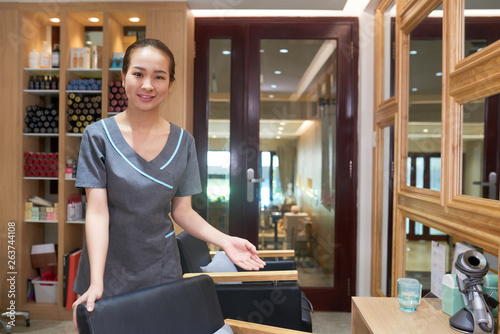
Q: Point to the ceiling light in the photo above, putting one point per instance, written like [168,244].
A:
[280,132]
[283,123]
[283,50]
[273,86]
[55,19]
[271,96]
[414,89]
[214,136]
[261,50]
[93,19]
[425,130]
[439,74]
[134,19]
[88,42]
[226,52]
[413,52]
[278,137]
[277,72]
[280,128]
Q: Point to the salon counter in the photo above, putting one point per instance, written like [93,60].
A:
[380,315]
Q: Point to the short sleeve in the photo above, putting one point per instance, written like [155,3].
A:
[91,168]
[190,183]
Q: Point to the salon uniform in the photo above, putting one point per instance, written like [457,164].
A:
[142,249]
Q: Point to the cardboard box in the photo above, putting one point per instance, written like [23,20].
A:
[80,58]
[43,256]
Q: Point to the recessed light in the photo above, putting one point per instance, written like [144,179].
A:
[226,52]
[439,74]
[277,72]
[280,128]
[273,86]
[261,50]
[414,89]
[271,96]
[280,132]
[55,19]
[214,136]
[283,123]
[283,50]
[413,52]
[425,130]
[93,19]
[134,19]
[278,137]
[88,42]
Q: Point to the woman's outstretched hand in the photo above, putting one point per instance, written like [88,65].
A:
[243,254]
[90,297]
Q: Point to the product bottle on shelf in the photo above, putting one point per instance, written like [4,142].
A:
[55,56]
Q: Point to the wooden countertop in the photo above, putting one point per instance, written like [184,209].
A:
[382,315]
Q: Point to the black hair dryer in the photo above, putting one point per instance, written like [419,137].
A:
[476,316]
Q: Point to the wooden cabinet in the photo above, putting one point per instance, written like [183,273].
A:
[24,28]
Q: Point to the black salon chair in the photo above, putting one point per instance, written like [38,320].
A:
[188,306]
[271,298]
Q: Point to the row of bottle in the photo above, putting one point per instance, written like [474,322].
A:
[83,110]
[41,164]
[76,207]
[117,98]
[41,119]
[43,82]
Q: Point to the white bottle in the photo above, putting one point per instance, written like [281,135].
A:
[45,56]
[34,57]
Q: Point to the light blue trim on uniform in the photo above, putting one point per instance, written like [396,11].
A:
[175,152]
[169,235]
[130,163]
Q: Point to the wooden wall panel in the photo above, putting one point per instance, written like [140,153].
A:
[10,137]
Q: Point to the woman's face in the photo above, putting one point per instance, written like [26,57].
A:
[147,81]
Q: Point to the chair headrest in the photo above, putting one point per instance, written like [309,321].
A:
[194,253]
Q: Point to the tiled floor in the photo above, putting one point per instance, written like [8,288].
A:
[323,323]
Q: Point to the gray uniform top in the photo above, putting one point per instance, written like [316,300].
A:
[142,249]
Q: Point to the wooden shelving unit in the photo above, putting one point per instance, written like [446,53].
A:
[28,25]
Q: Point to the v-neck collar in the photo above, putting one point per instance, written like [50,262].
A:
[162,159]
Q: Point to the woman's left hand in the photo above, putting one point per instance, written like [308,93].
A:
[243,254]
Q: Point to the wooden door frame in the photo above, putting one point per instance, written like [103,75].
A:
[345,30]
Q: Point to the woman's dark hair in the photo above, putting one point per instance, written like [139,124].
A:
[155,44]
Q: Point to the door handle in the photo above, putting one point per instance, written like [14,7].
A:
[251,180]
[491,184]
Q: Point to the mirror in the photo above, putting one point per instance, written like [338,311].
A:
[389,45]
[424,111]
[429,258]
[482,24]
[480,147]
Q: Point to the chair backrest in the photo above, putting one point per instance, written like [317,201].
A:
[194,253]
[182,307]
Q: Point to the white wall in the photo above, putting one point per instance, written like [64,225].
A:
[365,149]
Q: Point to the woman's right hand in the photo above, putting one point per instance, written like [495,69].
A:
[90,297]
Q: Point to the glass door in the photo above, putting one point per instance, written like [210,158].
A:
[275,129]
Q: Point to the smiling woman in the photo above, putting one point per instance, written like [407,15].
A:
[138,171]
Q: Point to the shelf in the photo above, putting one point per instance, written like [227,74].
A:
[70,179]
[43,92]
[74,134]
[42,221]
[92,72]
[84,91]
[75,221]
[41,178]
[41,70]
[41,134]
